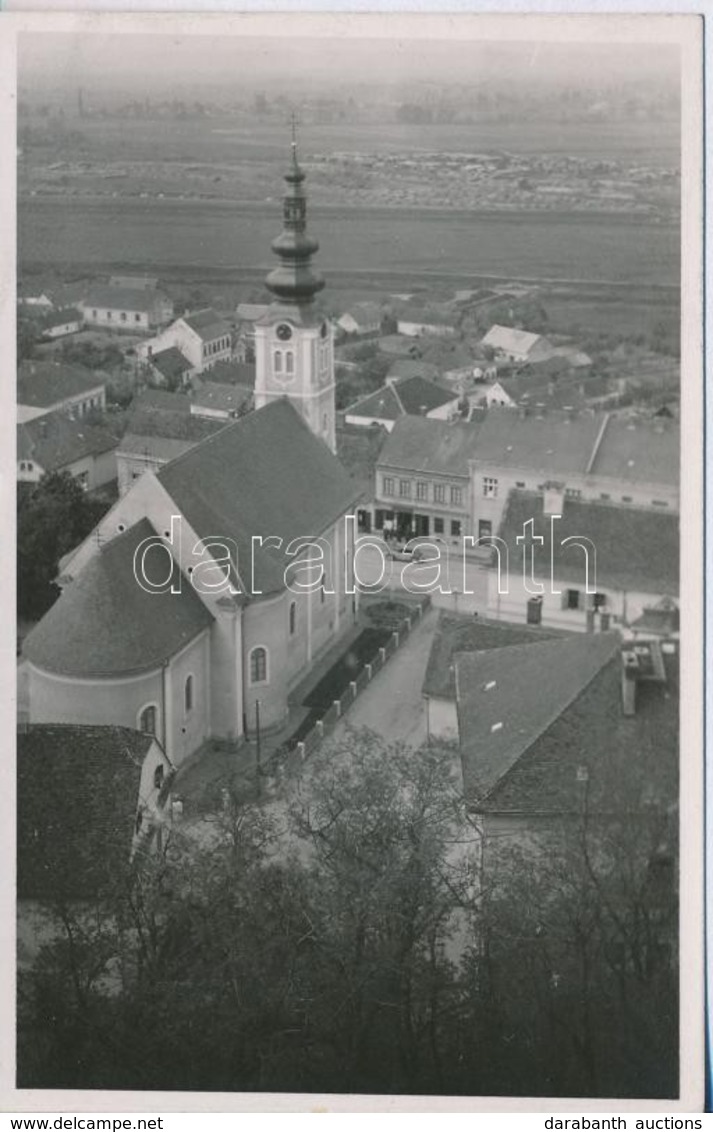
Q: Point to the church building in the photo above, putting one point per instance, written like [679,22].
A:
[184,613]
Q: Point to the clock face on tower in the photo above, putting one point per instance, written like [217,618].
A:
[284,332]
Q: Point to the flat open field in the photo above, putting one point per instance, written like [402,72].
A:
[590,248]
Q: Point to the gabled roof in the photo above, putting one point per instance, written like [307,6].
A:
[591,755]
[425,445]
[239,483]
[639,450]
[383,405]
[551,445]
[105,624]
[207,324]
[508,697]
[459,634]
[170,363]
[43,384]
[417,395]
[511,340]
[61,317]
[55,440]
[77,797]
[636,550]
[136,300]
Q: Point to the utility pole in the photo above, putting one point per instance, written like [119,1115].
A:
[257,747]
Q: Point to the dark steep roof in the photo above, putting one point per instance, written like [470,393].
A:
[170,363]
[105,624]
[635,549]
[592,755]
[417,395]
[383,405]
[507,698]
[424,445]
[137,300]
[77,797]
[265,475]
[459,634]
[42,384]
[55,440]
[207,324]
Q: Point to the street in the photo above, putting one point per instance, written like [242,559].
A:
[454,582]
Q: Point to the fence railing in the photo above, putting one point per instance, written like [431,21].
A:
[288,754]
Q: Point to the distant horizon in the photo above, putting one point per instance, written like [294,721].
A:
[156,61]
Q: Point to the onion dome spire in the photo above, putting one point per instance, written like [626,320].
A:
[293,280]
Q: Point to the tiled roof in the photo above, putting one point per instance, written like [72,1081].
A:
[136,300]
[171,424]
[55,440]
[61,318]
[640,450]
[424,445]
[162,399]
[265,475]
[511,340]
[158,449]
[77,797]
[590,755]
[508,697]
[171,363]
[417,394]
[551,445]
[456,634]
[207,324]
[231,373]
[224,398]
[382,405]
[635,549]
[358,449]
[105,624]
[365,314]
[43,384]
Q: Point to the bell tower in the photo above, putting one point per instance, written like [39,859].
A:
[294,343]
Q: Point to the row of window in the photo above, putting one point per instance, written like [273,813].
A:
[123,316]
[27,466]
[217,347]
[148,717]
[442,493]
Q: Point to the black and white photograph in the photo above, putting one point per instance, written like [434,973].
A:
[358,523]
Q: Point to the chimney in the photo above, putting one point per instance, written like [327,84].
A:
[629,673]
[553,498]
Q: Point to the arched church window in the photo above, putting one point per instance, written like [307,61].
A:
[293,617]
[258,665]
[278,361]
[188,694]
[148,719]
[289,362]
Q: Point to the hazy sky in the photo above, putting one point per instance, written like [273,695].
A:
[151,61]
